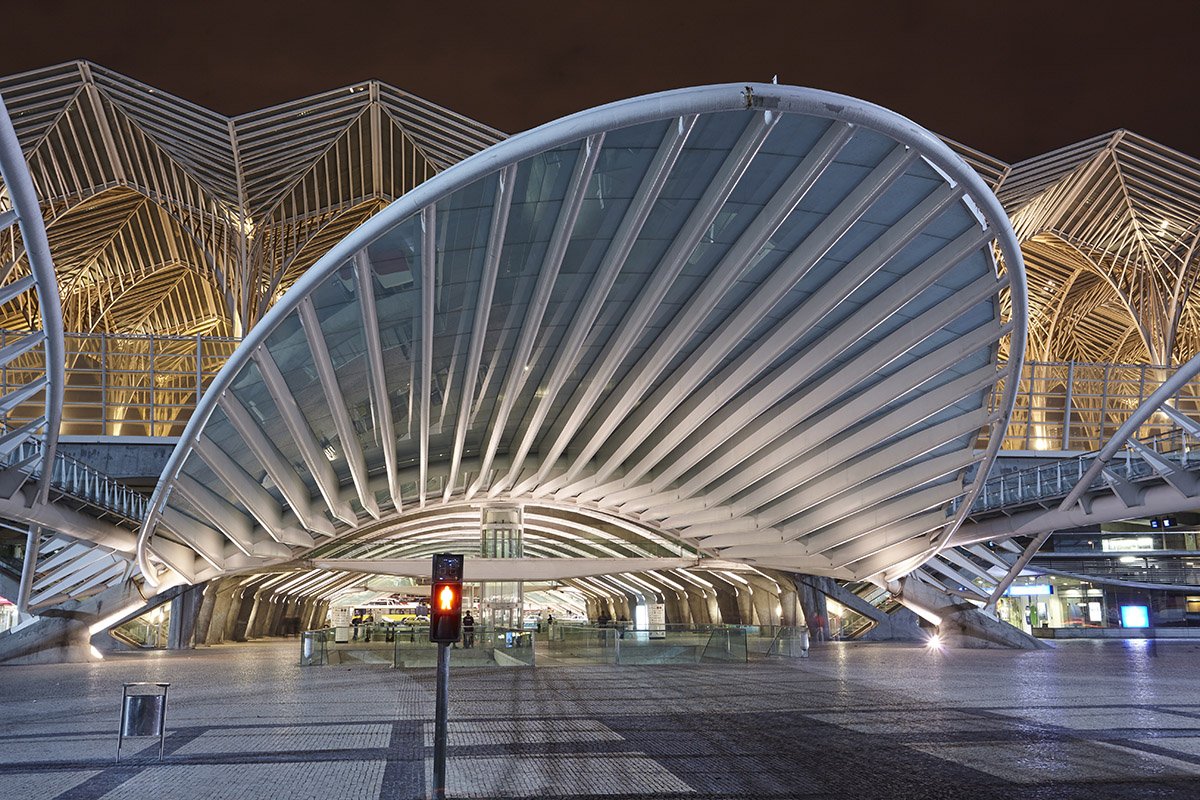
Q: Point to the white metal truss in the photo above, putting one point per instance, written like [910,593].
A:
[591,315]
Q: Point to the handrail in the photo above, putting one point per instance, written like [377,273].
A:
[1060,477]
[77,479]
[1144,412]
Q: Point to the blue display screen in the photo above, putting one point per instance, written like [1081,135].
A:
[1135,617]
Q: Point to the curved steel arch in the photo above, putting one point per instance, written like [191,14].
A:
[26,213]
[933,312]
[28,216]
[548,532]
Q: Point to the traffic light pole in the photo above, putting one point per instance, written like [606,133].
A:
[441,721]
[445,627]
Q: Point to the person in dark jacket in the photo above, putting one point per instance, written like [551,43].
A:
[468,630]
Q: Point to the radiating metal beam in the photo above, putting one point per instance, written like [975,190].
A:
[734,418]
[11,291]
[832,479]
[252,496]
[377,375]
[638,424]
[888,558]
[619,247]
[21,346]
[483,307]
[953,555]
[660,281]
[844,531]
[519,365]
[22,395]
[277,467]
[428,286]
[230,520]
[15,437]
[207,542]
[310,450]
[176,557]
[347,435]
[909,335]
[881,491]
[830,430]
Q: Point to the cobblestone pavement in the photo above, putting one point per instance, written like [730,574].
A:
[1089,720]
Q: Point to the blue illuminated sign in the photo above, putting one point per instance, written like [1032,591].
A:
[1029,591]
[1135,617]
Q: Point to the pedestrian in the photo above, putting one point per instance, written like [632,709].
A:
[468,630]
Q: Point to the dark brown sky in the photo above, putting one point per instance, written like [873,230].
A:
[1008,77]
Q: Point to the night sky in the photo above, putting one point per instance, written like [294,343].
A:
[1013,79]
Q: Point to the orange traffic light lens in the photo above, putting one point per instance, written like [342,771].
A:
[446,599]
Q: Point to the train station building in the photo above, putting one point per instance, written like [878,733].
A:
[737,356]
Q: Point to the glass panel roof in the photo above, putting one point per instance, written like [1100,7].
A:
[623,314]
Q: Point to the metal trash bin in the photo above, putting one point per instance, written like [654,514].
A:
[143,713]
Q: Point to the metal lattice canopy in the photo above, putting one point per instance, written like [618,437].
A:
[167,218]
[760,320]
[1109,228]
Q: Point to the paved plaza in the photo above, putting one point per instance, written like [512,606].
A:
[1088,720]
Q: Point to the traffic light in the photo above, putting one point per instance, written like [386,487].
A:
[445,599]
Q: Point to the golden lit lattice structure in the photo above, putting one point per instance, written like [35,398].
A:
[170,222]
[1109,230]
[166,219]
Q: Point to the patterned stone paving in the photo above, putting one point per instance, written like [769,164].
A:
[1087,721]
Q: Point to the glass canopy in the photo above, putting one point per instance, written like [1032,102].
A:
[752,323]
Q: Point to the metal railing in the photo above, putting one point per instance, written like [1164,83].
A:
[125,385]
[140,385]
[72,477]
[1058,478]
[1143,569]
[1079,406]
